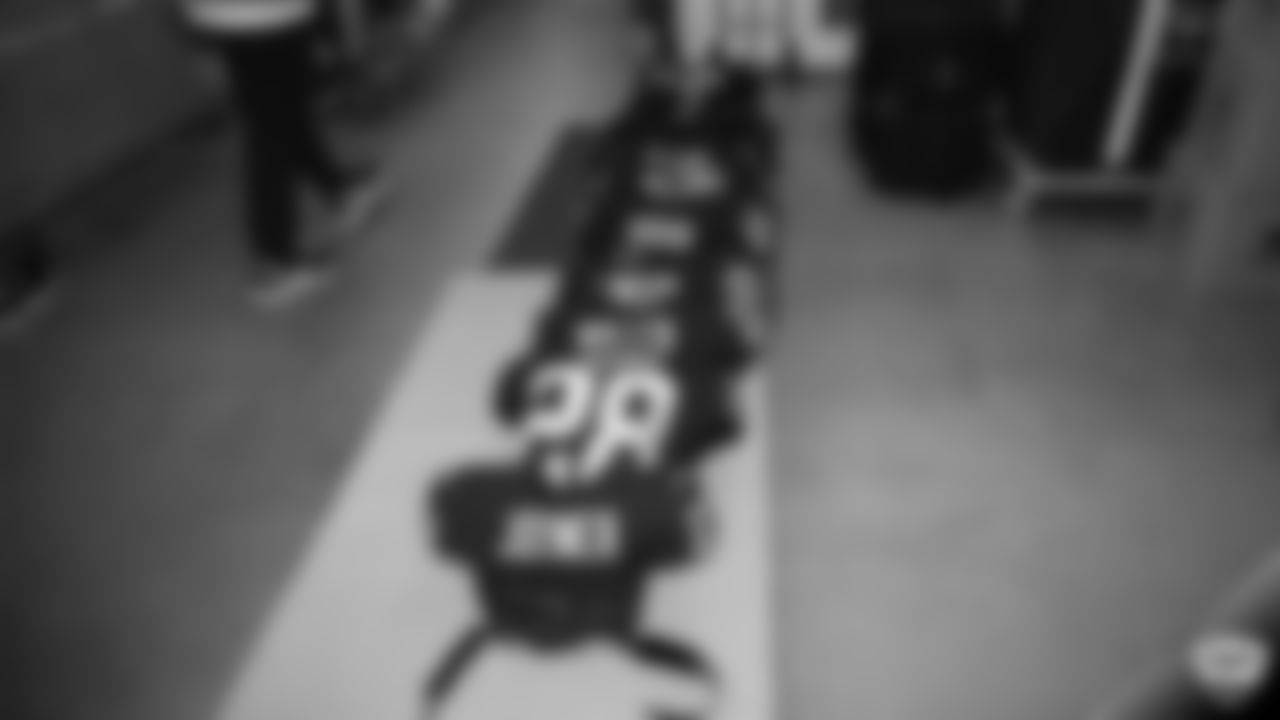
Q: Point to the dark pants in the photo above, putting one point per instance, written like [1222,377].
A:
[272,83]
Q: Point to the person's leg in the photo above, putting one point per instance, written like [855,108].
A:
[295,93]
[270,203]
[26,278]
[655,24]
[353,192]
[290,272]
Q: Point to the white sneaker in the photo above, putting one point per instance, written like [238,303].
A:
[282,289]
[356,209]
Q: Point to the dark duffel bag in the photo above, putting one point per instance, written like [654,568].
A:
[940,153]
[873,15]
[923,107]
[932,61]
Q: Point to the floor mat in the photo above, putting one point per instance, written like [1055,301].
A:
[539,237]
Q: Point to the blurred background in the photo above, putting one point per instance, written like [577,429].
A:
[1026,409]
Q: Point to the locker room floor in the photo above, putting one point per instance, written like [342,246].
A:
[1011,469]
[1017,466]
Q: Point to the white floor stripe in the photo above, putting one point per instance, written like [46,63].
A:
[370,608]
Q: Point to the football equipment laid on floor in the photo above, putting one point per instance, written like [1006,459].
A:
[481,678]
[559,558]
[722,114]
[646,214]
[701,341]
[700,245]
[626,386]
[704,315]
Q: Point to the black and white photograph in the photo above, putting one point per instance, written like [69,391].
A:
[640,359]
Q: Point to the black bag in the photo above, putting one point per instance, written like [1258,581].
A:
[934,155]
[1072,61]
[938,13]
[923,107]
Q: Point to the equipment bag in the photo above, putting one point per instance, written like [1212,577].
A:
[923,107]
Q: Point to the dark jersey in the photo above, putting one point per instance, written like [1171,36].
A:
[728,120]
[714,331]
[691,167]
[555,564]
[688,341]
[700,240]
[738,106]
[711,298]
[631,223]
[696,251]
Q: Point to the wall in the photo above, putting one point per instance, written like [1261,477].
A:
[84,84]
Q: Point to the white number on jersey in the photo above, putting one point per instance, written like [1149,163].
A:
[624,414]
